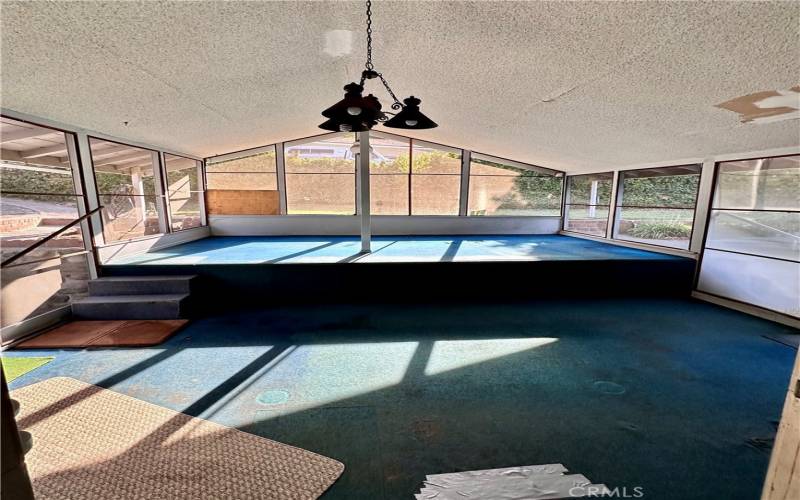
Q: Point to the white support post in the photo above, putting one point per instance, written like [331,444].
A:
[463,200]
[362,167]
[593,199]
[701,214]
[280,169]
[613,211]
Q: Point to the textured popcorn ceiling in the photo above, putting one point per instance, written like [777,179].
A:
[577,86]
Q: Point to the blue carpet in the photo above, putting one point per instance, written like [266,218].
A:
[327,249]
[678,397]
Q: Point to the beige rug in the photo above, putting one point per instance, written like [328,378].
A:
[93,443]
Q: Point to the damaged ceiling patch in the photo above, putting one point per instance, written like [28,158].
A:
[767,106]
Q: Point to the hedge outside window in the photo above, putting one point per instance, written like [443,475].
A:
[504,187]
[656,205]
[321,176]
[587,203]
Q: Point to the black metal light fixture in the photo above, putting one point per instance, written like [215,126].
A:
[356,113]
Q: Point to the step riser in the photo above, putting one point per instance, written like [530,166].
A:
[104,288]
[155,310]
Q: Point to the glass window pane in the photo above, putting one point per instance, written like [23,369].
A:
[36,179]
[184,209]
[389,183]
[126,217]
[389,194]
[766,184]
[257,163]
[182,174]
[514,194]
[33,289]
[321,176]
[592,189]
[769,283]
[587,219]
[435,194]
[427,158]
[660,187]
[241,181]
[321,194]
[769,234]
[36,162]
[671,227]
[123,170]
[26,219]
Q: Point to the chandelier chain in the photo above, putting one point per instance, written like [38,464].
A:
[396,104]
[369,64]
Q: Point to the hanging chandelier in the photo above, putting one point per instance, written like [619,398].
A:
[356,113]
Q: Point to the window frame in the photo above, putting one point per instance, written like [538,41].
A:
[79,192]
[619,195]
[158,182]
[710,209]
[201,192]
[517,164]
[609,206]
[284,195]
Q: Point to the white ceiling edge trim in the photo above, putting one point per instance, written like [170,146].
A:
[45,122]
[749,155]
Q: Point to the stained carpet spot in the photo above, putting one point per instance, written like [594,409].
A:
[273,397]
[608,387]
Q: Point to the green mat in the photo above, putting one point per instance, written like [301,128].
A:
[17,367]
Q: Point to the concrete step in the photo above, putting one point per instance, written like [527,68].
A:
[158,306]
[140,285]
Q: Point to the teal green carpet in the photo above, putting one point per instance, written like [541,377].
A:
[677,397]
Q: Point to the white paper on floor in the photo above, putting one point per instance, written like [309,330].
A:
[530,482]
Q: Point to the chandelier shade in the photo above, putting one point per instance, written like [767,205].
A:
[410,117]
[356,113]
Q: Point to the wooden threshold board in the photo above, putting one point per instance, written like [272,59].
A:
[116,333]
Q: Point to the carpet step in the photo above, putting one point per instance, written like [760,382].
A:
[140,285]
[154,306]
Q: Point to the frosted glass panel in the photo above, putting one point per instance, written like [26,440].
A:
[769,283]
[771,234]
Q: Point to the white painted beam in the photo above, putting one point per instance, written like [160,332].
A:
[48,151]
[25,133]
[128,158]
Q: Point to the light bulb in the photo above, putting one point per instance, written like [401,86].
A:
[354,110]
[411,123]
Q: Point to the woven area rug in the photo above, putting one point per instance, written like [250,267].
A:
[90,443]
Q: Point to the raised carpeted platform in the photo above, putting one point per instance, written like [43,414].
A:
[272,270]
[386,249]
